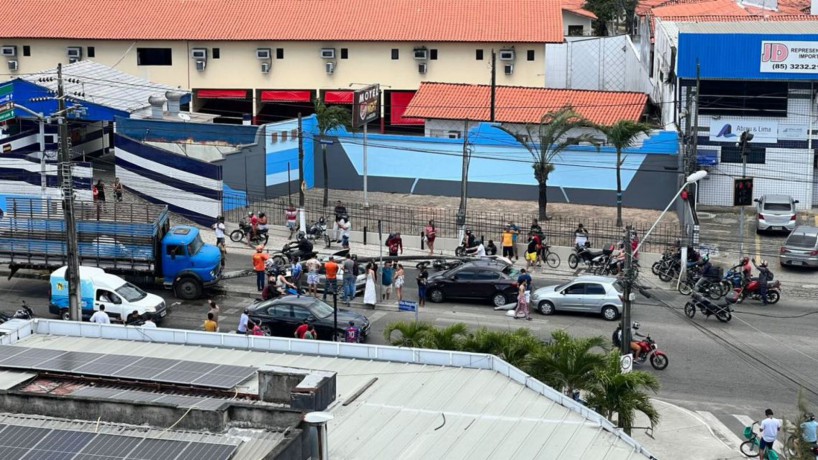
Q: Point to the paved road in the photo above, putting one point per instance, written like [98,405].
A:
[728,372]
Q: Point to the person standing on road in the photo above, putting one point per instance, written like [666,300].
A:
[423,281]
[259,261]
[148,324]
[312,266]
[345,227]
[394,243]
[352,334]
[218,229]
[244,321]
[431,233]
[508,242]
[399,282]
[340,214]
[386,279]
[291,215]
[524,278]
[330,277]
[531,252]
[100,317]
[350,279]
[210,325]
[763,277]
[769,429]
[214,310]
[370,293]
[522,310]
[515,231]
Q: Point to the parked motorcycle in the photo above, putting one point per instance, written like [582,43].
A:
[288,254]
[24,312]
[722,311]
[317,231]
[751,290]
[245,230]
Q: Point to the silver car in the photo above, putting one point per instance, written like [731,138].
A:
[801,248]
[587,294]
[776,212]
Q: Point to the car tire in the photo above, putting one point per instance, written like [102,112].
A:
[546,308]
[610,313]
[65,315]
[436,296]
[266,330]
[499,299]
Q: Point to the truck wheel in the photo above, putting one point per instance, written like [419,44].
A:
[188,289]
[65,315]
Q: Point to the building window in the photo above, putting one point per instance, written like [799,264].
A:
[574,31]
[26,50]
[154,56]
[344,53]
[395,53]
[478,55]
[732,154]
[92,52]
[743,98]
[530,55]
[279,53]
[216,53]
[433,55]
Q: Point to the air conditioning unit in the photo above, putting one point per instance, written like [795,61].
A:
[263,53]
[421,54]
[506,55]
[13,66]
[74,52]
[201,65]
[328,53]
[422,68]
[509,69]
[198,53]
[330,67]
[454,134]
[265,67]
[73,60]
[8,51]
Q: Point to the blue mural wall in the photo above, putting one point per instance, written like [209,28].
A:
[172,131]
[281,147]
[24,92]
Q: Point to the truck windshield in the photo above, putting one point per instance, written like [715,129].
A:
[131,293]
[195,245]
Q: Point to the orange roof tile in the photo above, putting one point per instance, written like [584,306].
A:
[577,7]
[703,8]
[503,21]
[717,18]
[515,104]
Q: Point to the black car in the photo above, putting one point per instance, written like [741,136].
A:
[280,317]
[479,280]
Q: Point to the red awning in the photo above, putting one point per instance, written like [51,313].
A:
[399,103]
[222,94]
[286,96]
[338,97]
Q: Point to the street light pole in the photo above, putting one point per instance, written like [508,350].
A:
[746,137]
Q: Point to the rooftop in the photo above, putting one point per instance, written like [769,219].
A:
[516,104]
[780,25]
[499,21]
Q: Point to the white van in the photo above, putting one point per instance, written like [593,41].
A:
[97,288]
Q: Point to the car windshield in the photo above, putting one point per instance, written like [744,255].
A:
[618,286]
[777,207]
[195,245]
[131,293]
[511,272]
[801,240]
[320,309]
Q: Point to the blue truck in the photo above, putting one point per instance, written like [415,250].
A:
[134,241]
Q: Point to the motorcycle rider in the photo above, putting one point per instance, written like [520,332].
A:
[707,272]
[303,248]
[252,221]
[262,223]
[763,277]
[468,240]
[616,338]
[746,270]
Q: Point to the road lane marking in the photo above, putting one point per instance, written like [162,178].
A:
[376,316]
[230,311]
[720,430]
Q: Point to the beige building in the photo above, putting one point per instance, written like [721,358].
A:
[271,58]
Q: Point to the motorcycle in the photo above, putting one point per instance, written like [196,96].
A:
[24,312]
[722,312]
[752,291]
[731,280]
[318,231]
[245,230]
[649,350]
[288,254]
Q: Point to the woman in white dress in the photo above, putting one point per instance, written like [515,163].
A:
[370,295]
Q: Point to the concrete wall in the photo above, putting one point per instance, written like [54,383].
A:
[571,19]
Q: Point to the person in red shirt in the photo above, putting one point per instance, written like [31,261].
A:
[301,330]
[331,280]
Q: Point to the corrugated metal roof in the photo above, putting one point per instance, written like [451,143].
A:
[412,410]
[103,85]
[750,27]
[10,379]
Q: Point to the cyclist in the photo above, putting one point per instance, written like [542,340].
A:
[769,432]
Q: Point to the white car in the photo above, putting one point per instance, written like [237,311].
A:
[586,294]
[776,212]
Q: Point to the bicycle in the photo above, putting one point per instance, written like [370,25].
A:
[551,258]
[751,447]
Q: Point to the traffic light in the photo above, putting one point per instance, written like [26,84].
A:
[743,191]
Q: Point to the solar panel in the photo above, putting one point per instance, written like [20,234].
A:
[201,450]
[152,449]
[60,445]
[108,446]
[68,361]
[29,357]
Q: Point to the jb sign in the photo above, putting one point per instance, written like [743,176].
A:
[789,57]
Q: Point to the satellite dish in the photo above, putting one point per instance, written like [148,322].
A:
[184,116]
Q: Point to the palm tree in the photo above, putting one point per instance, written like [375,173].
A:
[622,135]
[613,392]
[329,118]
[515,347]
[447,338]
[547,140]
[411,334]
[567,363]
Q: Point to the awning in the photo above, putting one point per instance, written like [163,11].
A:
[286,96]
[221,94]
[338,97]
[401,100]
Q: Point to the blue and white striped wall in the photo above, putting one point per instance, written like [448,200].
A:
[189,187]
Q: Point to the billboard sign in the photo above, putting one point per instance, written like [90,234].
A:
[366,106]
[6,102]
[789,57]
[730,129]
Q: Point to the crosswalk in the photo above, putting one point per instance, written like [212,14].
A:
[729,428]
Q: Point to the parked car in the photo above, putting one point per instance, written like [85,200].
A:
[475,280]
[776,212]
[587,294]
[801,248]
[280,317]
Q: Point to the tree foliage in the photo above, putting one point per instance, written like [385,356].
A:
[329,118]
[622,135]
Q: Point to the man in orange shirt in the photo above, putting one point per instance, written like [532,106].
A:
[331,280]
[259,259]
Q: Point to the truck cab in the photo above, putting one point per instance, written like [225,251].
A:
[188,264]
[98,288]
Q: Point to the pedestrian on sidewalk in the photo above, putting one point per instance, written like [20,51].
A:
[508,242]
[515,231]
[769,429]
[214,310]
[340,214]
[117,189]
[210,325]
[219,229]
[330,278]
[395,244]
[345,227]
[430,232]
[580,236]
[312,266]
[370,293]
[259,260]
[350,278]
[399,282]
[491,249]
[423,281]
[291,215]
[531,252]
[99,195]
[386,279]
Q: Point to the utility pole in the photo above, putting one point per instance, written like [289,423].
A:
[695,153]
[745,138]
[302,186]
[493,85]
[626,292]
[67,183]
[464,181]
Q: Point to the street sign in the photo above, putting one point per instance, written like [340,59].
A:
[407,305]
[325,142]
[6,102]
[626,363]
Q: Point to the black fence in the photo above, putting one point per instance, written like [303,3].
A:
[411,220]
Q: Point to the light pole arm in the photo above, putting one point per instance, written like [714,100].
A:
[26,109]
[645,238]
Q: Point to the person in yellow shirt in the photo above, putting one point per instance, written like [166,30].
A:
[210,325]
[508,242]
[259,261]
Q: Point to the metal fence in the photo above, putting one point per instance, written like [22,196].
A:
[411,220]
